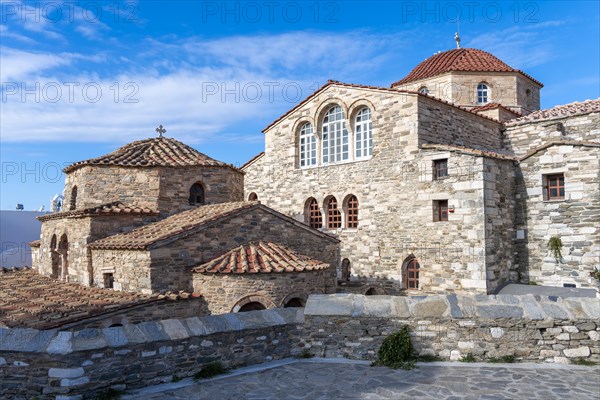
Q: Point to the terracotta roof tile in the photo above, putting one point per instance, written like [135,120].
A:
[153,152]
[113,208]
[31,300]
[468,150]
[492,106]
[175,225]
[468,60]
[261,257]
[567,110]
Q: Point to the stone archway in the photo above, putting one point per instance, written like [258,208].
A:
[54,258]
[252,303]
[63,251]
[295,299]
[375,291]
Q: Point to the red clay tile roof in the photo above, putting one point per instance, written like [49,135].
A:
[114,208]
[261,257]
[468,60]
[28,299]
[492,106]
[250,161]
[153,152]
[468,150]
[185,223]
[567,110]
[175,225]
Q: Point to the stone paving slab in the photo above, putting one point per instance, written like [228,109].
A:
[346,379]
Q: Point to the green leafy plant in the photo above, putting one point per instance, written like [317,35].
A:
[397,350]
[555,246]
[176,379]
[469,358]
[583,361]
[502,359]
[533,283]
[595,274]
[210,370]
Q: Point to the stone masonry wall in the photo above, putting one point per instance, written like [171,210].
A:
[530,328]
[224,291]
[575,220]
[98,185]
[86,362]
[130,269]
[221,184]
[80,232]
[170,269]
[395,190]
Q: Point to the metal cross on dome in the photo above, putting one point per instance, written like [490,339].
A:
[160,130]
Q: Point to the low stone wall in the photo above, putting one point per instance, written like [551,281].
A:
[530,328]
[74,365]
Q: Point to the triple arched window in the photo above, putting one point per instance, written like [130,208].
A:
[336,142]
[333,215]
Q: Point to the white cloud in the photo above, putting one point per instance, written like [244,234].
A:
[198,89]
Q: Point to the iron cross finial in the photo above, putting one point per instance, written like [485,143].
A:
[160,130]
[457,39]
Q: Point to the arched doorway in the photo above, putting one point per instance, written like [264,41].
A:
[63,251]
[410,273]
[345,270]
[54,258]
[295,302]
[252,306]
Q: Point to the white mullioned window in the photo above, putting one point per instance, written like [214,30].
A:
[482,93]
[335,136]
[308,146]
[364,134]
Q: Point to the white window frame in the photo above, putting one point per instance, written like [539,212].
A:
[423,90]
[307,146]
[483,93]
[335,138]
[363,134]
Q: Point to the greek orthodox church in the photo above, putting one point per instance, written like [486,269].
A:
[449,180]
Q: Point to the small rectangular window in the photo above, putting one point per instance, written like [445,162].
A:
[440,169]
[109,280]
[440,210]
[554,186]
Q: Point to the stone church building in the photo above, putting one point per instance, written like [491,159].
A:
[449,180]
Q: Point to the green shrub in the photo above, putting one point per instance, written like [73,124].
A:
[210,370]
[110,394]
[503,359]
[397,351]
[469,358]
[583,361]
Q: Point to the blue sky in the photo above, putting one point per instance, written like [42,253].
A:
[80,79]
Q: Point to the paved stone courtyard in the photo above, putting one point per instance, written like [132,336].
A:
[324,379]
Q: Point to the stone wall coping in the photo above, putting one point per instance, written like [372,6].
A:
[64,342]
[481,307]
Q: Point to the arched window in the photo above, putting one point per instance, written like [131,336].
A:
[482,93]
[334,216]
[335,136]
[410,273]
[73,199]
[351,212]
[364,134]
[54,258]
[313,214]
[196,194]
[528,99]
[423,90]
[294,302]
[307,146]
[253,197]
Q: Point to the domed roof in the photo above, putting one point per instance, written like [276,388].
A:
[470,60]
[153,152]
